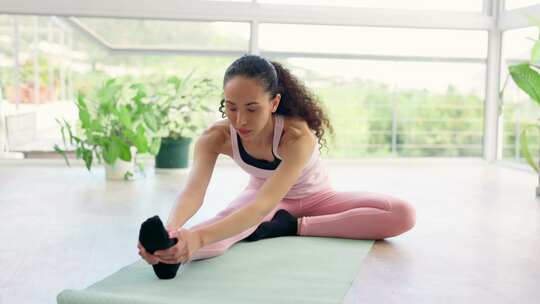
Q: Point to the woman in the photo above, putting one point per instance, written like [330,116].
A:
[273,131]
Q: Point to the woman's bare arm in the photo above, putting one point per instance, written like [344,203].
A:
[190,200]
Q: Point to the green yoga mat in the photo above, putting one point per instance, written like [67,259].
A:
[279,270]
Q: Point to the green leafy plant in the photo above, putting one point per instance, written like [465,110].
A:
[527,78]
[182,105]
[120,116]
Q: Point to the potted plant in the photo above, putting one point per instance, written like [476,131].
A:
[527,78]
[182,109]
[114,126]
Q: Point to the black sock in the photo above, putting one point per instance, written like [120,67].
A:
[153,236]
[282,224]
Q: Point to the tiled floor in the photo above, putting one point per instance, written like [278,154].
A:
[477,238]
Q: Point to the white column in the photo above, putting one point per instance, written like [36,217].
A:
[254,35]
[254,38]
[62,65]
[491,111]
[16,65]
[70,67]
[35,52]
[52,87]
[395,105]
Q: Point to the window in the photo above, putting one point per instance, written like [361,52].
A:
[399,108]
[394,91]
[57,59]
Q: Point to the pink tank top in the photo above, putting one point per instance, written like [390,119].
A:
[314,177]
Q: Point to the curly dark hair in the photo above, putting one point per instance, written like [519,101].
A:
[296,100]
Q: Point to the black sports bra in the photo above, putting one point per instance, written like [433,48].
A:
[259,163]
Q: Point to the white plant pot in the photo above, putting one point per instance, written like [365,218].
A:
[120,168]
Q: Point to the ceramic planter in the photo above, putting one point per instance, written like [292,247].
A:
[173,153]
[120,168]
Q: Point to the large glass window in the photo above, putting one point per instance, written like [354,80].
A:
[393,108]
[59,57]
[33,92]
[389,91]
[408,92]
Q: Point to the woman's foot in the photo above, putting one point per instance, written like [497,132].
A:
[153,236]
[282,224]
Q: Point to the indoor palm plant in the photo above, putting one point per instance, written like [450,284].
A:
[527,78]
[115,125]
[182,108]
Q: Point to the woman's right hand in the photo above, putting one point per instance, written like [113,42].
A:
[149,258]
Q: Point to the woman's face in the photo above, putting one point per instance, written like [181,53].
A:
[248,106]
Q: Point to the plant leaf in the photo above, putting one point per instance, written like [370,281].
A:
[125,117]
[535,52]
[151,121]
[84,117]
[70,133]
[527,79]
[154,147]
[140,140]
[174,80]
[87,157]
[525,147]
[128,175]
[124,152]
[80,101]
[61,152]
[111,152]
[61,130]
[96,126]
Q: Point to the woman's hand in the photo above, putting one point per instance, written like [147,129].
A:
[188,242]
[149,258]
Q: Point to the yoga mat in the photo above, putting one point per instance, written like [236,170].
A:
[279,270]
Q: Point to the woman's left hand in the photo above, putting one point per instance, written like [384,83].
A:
[188,242]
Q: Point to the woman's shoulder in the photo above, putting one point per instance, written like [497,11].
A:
[295,129]
[217,136]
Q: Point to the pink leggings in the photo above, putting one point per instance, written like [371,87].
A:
[329,213]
